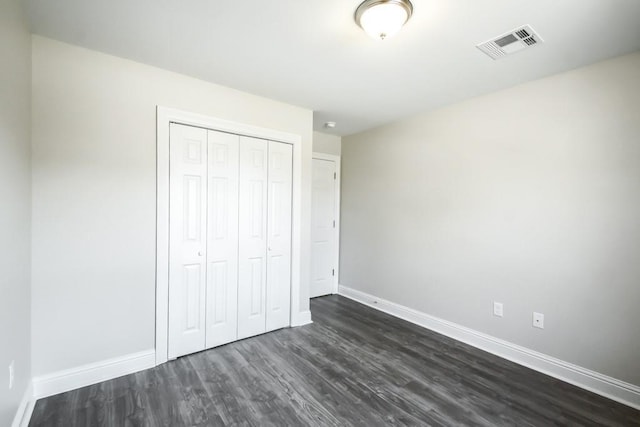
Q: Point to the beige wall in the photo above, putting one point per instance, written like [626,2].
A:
[94,202]
[327,144]
[15,205]
[528,196]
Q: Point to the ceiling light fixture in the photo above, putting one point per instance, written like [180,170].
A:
[330,125]
[383,18]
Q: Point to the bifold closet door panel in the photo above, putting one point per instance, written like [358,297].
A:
[222,240]
[279,235]
[187,239]
[252,262]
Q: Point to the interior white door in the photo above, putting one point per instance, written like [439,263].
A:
[280,179]
[187,239]
[323,231]
[230,216]
[252,260]
[222,241]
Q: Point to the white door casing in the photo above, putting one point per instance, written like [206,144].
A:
[279,235]
[325,211]
[222,240]
[187,269]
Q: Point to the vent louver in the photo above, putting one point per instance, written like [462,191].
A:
[511,42]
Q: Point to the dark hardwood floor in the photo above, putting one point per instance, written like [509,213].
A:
[352,366]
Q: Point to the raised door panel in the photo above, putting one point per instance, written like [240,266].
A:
[323,247]
[187,239]
[252,239]
[279,235]
[222,240]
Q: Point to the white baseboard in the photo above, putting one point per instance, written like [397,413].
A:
[23,414]
[93,373]
[303,318]
[620,391]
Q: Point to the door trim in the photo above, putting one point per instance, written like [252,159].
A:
[336,159]
[165,116]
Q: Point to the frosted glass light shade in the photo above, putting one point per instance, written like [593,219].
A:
[383,18]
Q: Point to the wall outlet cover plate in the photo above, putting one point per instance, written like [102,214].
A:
[498,309]
[538,320]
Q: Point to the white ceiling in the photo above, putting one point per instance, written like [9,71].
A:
[311,53]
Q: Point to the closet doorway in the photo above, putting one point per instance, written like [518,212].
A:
[228,218]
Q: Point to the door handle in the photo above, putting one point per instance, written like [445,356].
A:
[199,253]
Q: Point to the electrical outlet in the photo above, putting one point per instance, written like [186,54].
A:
[11,374]
[497,309]
[538,320]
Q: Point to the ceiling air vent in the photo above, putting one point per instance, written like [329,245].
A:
[511,42]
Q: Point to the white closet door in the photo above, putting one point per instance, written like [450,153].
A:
[323,231]
[252,262]
[187,239]
[279,235]
[222,241]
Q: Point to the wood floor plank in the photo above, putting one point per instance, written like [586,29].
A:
[354,366]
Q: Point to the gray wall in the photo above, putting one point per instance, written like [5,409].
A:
[15,207]
[94,195]
[327,144]
[529,196]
